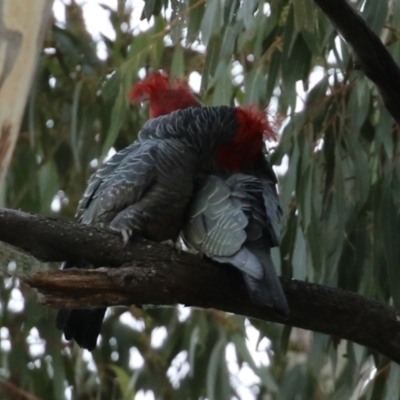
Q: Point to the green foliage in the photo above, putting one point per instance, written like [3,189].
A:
[340,194]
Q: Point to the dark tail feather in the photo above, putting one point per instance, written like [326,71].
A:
[81,325]
[267,291]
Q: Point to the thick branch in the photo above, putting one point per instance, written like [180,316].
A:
[50,239]
[186,280]
[158,275]
[374,59]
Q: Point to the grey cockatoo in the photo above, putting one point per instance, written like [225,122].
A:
[148,189]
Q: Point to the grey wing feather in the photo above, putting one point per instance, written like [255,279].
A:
[210,187]
[105,170]
[236,221]
[252,188]
[273,211]
[217,227]
[189,122]
[246,262]
[216,224]
[175,124]
[121,181]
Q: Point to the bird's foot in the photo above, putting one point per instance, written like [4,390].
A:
[126,235]
[195,252]
[174,245]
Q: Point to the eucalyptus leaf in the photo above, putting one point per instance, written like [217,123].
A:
[213,369]
[375,14]
[212,19]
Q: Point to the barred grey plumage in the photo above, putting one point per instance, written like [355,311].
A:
[133,188]
[236,221]
[145,188]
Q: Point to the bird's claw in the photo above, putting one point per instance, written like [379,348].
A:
[174,245]
[195,252]
[126,235]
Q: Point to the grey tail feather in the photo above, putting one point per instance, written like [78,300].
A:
[267,291]
[81,325]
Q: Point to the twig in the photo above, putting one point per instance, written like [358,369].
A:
[372,56]
[15,391]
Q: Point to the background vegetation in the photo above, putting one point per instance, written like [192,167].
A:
[340,189]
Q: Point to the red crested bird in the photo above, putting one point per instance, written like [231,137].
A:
[164,97]
[149,187]
[235,216]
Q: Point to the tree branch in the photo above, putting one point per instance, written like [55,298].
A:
[16,392]
[376,62]
[155,274]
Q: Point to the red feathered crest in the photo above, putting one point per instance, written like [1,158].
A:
[254,123]
[248,144]
[155,81]
[164,97]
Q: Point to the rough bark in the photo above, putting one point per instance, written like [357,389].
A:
[372,56]
[155,274]
[22,25]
